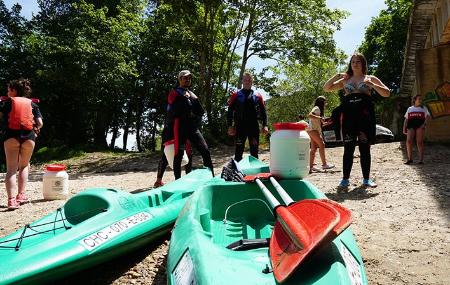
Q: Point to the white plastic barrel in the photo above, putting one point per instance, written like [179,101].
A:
[55,182]
[169,151]
[289,151]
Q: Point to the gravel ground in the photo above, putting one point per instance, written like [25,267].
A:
[402,226]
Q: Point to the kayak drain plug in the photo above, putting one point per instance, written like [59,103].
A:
[267,270]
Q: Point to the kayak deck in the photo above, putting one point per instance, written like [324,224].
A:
[223,214]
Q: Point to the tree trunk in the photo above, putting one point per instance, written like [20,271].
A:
[251,20]
[128,122]
[115,132]
[100,130]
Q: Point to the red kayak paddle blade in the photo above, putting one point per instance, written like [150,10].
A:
[261,176]
[345,219]
[299,229]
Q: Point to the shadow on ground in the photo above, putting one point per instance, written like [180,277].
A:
[435,171]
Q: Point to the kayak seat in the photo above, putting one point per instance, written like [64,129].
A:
[82,207]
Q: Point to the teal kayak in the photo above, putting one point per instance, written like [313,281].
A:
[223,233]
[93,226]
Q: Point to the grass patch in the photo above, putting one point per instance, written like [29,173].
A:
[48,154]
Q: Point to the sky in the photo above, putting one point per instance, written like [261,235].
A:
[348,38]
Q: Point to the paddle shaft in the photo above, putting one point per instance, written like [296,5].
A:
[286,218]
[270,198]
[284,195]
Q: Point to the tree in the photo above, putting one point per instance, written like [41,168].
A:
[294,29]
[384,42]
[298,85]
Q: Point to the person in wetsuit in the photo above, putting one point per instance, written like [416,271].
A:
[414,126]
[246,108]
[22,121]
[185,114]
[358,115]
[163,163]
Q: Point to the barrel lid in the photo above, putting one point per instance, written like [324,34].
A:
[55,167]
[300,126]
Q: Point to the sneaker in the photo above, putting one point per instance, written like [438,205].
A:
[409,161]
[158,184]
[344,183]
[314,169]
[12,204]
[369,183]
[327,166]
[420,162]
[21,198]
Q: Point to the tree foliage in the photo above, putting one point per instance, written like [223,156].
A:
[384,42]
[298,85]
[104,67]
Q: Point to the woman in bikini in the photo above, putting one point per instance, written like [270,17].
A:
[22,121]
[358,124]
[315,133]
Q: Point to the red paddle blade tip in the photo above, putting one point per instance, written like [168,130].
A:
[299,229]
[261,176]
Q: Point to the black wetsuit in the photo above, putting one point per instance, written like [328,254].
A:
[358,127]
[184,118]
[246,108]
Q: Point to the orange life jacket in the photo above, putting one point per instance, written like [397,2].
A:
[21,115]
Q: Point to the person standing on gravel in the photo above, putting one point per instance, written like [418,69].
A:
[414,126]
[22,121]
[184,118]
[315,133]
[358,124]
[245,108]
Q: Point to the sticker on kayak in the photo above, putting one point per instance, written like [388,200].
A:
[100,237]
[184,274]
[352,266]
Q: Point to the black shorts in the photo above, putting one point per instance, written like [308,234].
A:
[19,135]
[415,124]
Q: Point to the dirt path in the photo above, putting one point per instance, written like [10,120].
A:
[402,227]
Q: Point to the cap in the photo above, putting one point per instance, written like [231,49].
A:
[183,73]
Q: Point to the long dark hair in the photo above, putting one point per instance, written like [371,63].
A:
[22,87]
[320,102]
[363,60]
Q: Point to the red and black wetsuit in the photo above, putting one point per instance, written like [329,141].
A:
[246,107]
[184,119]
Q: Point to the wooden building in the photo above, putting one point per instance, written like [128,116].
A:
[426,67]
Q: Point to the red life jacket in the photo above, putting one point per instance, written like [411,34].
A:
[21,115]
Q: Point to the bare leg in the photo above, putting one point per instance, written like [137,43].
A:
[318,141]
[12,148]
[312,154]
[420,134]
[26,150]
[409,142]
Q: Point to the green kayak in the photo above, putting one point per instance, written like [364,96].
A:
[92,226]
[222,236]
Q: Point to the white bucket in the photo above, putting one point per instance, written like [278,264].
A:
[169,151]
[289,151]
[55,182]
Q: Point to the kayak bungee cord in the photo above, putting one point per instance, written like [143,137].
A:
[58,211]
[239,202]
[28,226]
